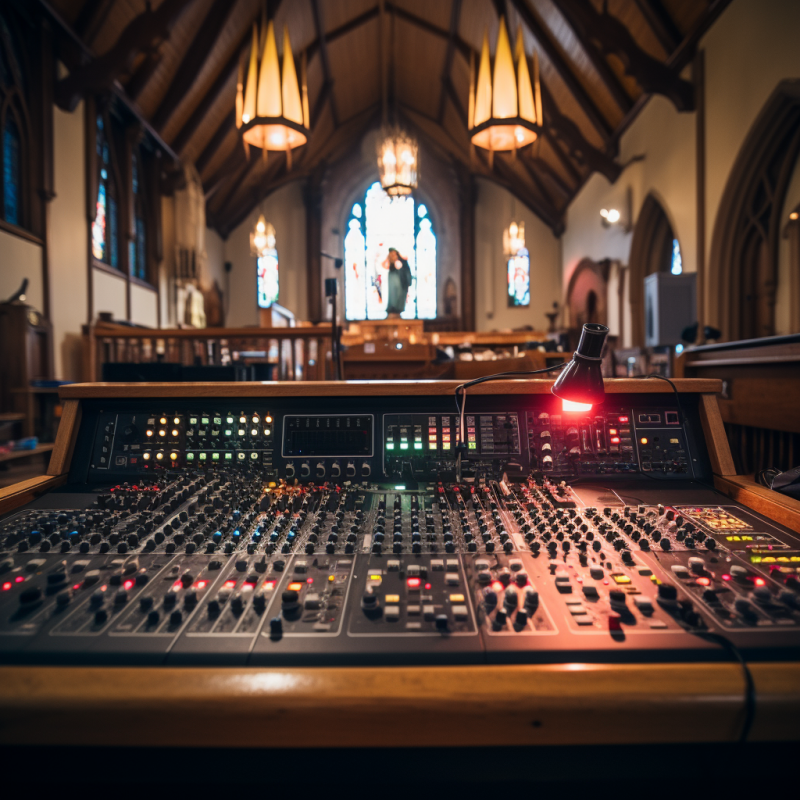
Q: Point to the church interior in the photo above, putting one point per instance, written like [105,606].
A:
[524,274]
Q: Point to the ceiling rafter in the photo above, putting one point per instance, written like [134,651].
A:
[144,34]
[546,168]
[553,53]
[661,23]
[215,142]
[601,67]
[446,81]
[612,37]
[192,62]
[91,18]
[463,47]
[136,85]
[323,54]
[532,174]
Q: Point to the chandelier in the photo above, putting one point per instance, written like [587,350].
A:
[397,161]
[513,239]
[270,111]
[262,239]
[505,106]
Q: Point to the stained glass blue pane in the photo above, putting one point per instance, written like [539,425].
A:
[677,262]
[135,173]
[268,279]
[112,232]
[422,211]
[519,279]
[11,172]
[357,210]
[132,257]
[141,251]
[99,225]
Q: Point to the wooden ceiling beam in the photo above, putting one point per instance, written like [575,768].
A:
[192,62]
[661,23]
[535,179]
[144,34]
[539,163]
[342,30]
[551,50]
[446,83]
[462,46]
[91,18]
[612,37]
[136,85]
[323,54]
[232,162]
[215,142]
[601,67]
[561,127]
[217,87]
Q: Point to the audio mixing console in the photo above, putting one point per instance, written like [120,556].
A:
[334,531]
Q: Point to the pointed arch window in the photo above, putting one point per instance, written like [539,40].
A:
[14,131]
[105,228]
[137,247]
[378,223]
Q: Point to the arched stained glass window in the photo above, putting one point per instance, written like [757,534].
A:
[12,169]
[105,233]
[676,265]
[380,223]
[519,279]
[137,247]
[268,277]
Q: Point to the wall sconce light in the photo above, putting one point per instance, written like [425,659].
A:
[609,217]
[619,217]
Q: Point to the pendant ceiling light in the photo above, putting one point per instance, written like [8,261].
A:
[262,239]
[398,151]
[505,105]
[271,112]
[513,239]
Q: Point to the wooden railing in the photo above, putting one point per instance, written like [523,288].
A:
[301,354]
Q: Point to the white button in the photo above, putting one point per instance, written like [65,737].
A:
[392,613]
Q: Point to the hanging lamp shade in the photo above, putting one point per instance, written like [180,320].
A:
[513,238]
[262,238]
[505,103]
[271,111]
[398,161]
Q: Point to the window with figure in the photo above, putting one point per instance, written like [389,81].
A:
[390,258]
[676,263]
[105,228]
[519,279]
[268,278]
[137,247]
[14,129]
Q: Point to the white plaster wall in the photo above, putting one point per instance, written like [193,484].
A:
[20,259]
[286,211]
[495,208]
[109,294]
[144,306]
[68,248]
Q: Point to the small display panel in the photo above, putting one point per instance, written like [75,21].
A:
[716,519]
[327,435]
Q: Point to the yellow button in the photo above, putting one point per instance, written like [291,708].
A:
[621,578]
[456,598]
[392,598]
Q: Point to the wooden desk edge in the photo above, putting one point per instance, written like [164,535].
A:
[771,504]
[394,706]
[365,388]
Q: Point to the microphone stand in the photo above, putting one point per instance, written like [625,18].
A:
[331,290]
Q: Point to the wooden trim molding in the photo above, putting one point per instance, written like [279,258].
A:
[395,706]
[362,388]
[743,489]
[719,450]
[65,439]
[19,494]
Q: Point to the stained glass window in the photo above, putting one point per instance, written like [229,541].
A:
[676,266]
[519,279]
[268,278]
[137,248]
[11,171]
[105,234]
[380,223]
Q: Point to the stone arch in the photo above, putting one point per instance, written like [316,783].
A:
[587,294]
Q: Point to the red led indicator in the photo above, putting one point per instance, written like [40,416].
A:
[414,583]
[177,585]
[623,419]
[309,580]
[269,584]
[248,587]
[75,587]
[726,577]
[201,584]
[497,586]
[615,440]
[6,586]
[427,586]
[229,584]
[760,582]
[703,581]
[19,579]
[127,585]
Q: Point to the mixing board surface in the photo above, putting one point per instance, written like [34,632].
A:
[244,532]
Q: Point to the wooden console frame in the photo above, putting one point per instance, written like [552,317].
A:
[391,706]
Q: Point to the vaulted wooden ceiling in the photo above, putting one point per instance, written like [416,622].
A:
[175,62]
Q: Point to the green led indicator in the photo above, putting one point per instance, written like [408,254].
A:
[229,456]
[254,456]
[229,420]
[218,420]
[202,456]
[418,445]
[204,420]
[190,456]
[215,456]
[473,445]
[404,445]
[240,456]
[390,445]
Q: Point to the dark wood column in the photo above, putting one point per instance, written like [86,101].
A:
[467,232]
